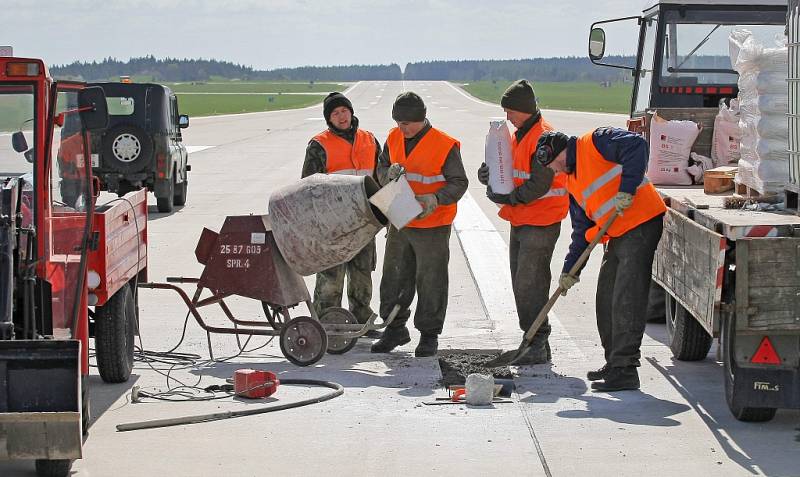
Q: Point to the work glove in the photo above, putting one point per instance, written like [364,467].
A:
[395,171]
[498,198]
[567,281]
[622,201]
[483,174]
[429,202]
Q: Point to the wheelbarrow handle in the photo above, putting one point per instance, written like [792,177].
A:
[537,323]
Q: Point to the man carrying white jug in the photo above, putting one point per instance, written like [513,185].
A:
[535,207]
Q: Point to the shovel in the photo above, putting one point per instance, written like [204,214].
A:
[511,357]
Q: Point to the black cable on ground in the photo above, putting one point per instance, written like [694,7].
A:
[338,390]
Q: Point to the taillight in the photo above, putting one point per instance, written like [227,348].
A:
[161,162]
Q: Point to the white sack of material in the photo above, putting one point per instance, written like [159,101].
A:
[727,135]
[499,158]
[670,145]
[480,389]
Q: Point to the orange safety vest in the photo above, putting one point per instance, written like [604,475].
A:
[357,159]
[550,208]
[424,170]
[595,184]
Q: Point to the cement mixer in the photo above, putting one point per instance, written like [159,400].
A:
[317,223]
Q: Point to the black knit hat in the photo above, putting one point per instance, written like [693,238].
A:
[408,107]
[550,145]
[520,97]
[333,101]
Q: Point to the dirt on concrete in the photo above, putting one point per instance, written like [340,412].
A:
[456,365]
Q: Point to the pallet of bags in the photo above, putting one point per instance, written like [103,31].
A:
[763,103]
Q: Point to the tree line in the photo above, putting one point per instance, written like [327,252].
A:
[180,70]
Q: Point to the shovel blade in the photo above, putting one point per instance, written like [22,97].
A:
[508,357]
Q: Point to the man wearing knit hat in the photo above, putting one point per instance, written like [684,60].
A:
[417,256]
[343,148]
[605,172]
[535,208]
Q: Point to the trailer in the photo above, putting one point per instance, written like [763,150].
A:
[728,274]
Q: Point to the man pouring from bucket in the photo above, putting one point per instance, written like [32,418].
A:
[535,208]
[344,148]
[417,256]
[605,172]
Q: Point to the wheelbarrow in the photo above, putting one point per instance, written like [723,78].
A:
[242,259]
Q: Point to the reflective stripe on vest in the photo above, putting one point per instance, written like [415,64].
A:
[595,185]
[356,159]
[548,209]
[424,170]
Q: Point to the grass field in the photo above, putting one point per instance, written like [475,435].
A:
[228,97]
[569,96]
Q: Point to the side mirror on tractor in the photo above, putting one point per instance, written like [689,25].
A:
[183,121]
[597,44]
[93,108]
[18,142]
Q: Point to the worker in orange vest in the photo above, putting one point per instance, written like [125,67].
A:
[344,148]
[417,256]
[535,208]
[605,172]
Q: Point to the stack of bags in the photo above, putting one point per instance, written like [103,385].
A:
[763,103]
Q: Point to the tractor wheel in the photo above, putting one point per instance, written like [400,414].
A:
[687,339]
[167,203]
[127,149]
[53,467]
[115,326]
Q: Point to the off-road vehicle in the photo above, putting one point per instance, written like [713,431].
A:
[142,147]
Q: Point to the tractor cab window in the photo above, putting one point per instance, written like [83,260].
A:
[17,131]
[645,80]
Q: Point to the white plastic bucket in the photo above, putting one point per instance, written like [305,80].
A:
[397,202]
[499,158]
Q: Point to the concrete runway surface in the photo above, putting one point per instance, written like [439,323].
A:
[678,424]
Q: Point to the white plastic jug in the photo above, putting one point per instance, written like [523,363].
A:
[499,158]
[397,202]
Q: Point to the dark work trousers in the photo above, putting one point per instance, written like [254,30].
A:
[416,260]
[330,283]
[530,250]
[622,291]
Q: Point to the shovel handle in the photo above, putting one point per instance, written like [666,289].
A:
[537,323]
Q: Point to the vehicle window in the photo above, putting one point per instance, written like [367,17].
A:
[645,79]
[16,116]
[120,106]
[699,53]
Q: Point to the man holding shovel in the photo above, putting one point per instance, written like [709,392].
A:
[343,148]
[605,174]
[417,256]
[535,208]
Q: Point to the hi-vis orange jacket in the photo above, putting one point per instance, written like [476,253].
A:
[424,170]
[549,209]
[595,184]
[357,159]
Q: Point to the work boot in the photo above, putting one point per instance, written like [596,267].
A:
[618,379]
[428,345]
[536,354]
[391,339]
[599,374]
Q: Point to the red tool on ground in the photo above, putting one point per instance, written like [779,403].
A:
[254,384]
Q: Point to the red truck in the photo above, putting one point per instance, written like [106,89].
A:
[68,269]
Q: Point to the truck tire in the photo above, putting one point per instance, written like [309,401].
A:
[687,339]
[53,467]
[115,326]
[127,149]
[181,191]
[166,204]
[729,367]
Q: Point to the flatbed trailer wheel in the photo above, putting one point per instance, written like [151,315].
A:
[53,467]
[115,326]
[277,315]
[687,339]
[728,343]
[303,341]
[339,316]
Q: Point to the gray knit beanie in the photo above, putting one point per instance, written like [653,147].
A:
[408,107]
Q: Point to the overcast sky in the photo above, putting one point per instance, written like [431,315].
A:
[276,33]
